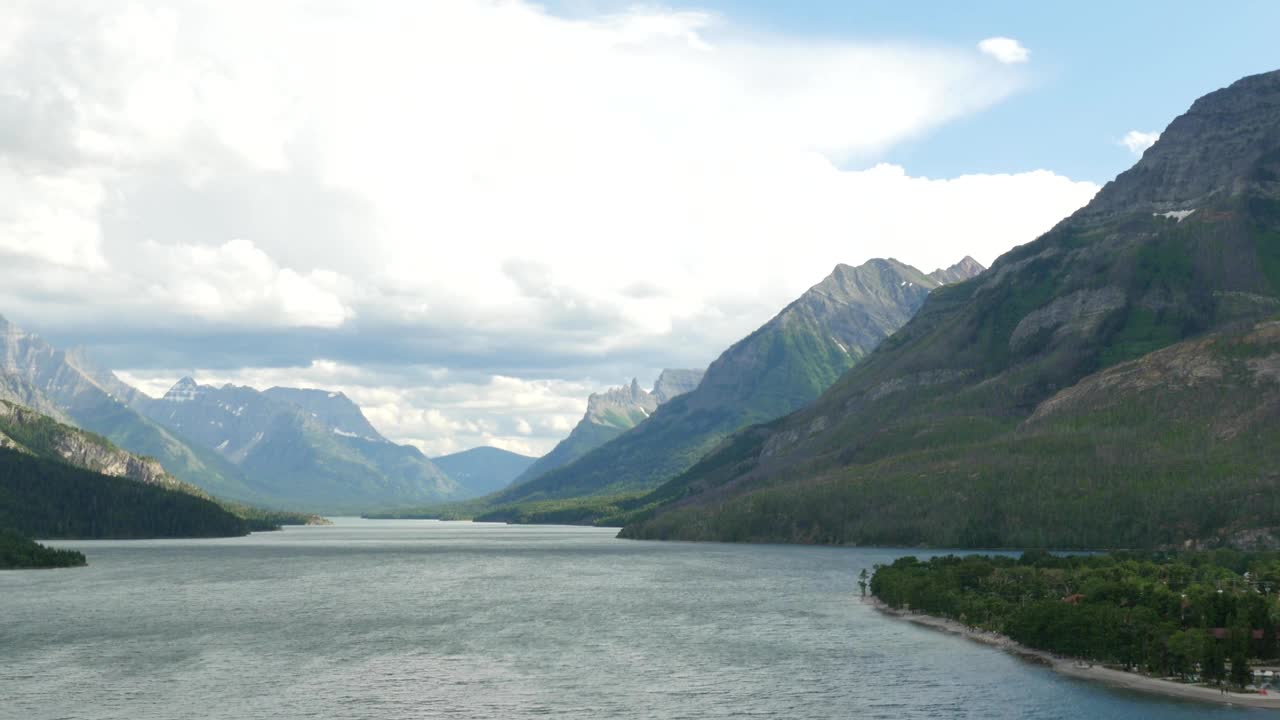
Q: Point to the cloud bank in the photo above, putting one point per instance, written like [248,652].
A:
[444,198]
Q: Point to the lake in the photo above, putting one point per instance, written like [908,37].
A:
[423,619]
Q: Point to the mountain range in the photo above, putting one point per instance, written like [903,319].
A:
[307,449]
[299,449]
[1116,382]
[780,367]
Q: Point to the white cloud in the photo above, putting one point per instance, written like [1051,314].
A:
[1138,141]
[471,182]
[1005,50]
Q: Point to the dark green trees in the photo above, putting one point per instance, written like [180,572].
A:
[18,552]
[1207,613]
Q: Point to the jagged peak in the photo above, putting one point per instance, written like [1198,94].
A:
[959,272]
[184,390]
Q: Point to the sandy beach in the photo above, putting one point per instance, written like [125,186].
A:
[1075,668]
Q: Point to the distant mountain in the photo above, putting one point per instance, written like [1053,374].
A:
[482,470]
[609,414]
[1116,382]
[780,367]
[306,449]
[36,375]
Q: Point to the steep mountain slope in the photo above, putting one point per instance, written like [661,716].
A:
[306,449]
[609,414]
[936,438]
[36,375]
[482,470]
[780,367]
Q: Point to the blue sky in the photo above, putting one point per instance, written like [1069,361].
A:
[1098,69]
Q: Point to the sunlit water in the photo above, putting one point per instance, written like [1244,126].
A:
[420,619]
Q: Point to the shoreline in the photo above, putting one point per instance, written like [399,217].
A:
[1072,668]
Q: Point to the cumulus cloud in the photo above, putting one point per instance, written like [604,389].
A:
[476,186]
[1138,141]
[1005,50]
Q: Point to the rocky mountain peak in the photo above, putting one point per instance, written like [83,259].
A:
[1225,144]
[621,406]
[184,390]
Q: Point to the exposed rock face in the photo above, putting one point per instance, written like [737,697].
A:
[76,447]
[621,407]
[1080,312]
[1223,146]
[780,367]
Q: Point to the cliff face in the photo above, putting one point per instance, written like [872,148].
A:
[27,430]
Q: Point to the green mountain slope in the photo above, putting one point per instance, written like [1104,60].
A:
[482,470]
[780,367]
[937,437]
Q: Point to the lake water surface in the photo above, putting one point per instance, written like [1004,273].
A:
[421,619]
